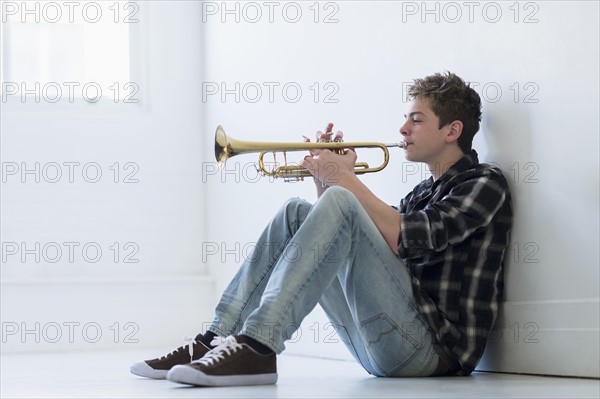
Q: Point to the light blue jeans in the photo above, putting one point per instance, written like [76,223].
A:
[330,253]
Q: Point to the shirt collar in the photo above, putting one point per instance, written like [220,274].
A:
[465,163]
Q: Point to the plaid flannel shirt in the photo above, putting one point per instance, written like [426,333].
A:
[454,233]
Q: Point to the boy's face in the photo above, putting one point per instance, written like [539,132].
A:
[421,131]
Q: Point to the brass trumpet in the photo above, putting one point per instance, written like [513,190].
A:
[226,147]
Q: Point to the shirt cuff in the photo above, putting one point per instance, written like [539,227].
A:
[415,234]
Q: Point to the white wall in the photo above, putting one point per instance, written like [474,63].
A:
[161,214]
[537,72]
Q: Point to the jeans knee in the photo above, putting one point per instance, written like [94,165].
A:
[340,196]
[295,210]
[335,192]
[296,204]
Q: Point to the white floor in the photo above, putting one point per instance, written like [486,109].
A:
[106,375]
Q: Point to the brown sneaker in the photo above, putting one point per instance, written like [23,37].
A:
[159,367]
[233,362]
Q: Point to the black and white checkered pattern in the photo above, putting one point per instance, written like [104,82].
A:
[454,233]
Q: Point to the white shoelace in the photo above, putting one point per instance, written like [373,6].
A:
[227,346]
[216,341]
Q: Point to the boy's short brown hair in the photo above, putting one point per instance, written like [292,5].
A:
[451,99]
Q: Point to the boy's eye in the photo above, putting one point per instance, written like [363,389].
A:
[416,121]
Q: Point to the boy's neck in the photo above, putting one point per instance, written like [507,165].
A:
[444,162]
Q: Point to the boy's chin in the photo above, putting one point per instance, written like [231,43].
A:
[411,158]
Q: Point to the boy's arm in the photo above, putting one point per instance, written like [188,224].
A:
[386,219]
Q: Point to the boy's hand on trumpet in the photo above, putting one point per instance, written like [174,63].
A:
[326,166]
[325,137]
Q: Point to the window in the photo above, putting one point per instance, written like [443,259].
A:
[64,51]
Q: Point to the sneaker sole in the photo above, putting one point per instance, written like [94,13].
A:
[142,369]
[191,376]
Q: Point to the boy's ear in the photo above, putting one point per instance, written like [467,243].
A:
[454,131]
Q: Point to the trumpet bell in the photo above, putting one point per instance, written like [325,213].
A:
[222,147]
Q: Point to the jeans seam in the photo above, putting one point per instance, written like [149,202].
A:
[398,284]
[262,279]
[396,329]
[302,287]
[430,358]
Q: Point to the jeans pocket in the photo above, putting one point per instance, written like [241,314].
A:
[388,344]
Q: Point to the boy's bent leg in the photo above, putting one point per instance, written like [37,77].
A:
[328,239]
[372,305]
[243,293]
[338,241]
[312,259]
[241,297]
[236,362]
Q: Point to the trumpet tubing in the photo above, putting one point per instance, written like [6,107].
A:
[227,147]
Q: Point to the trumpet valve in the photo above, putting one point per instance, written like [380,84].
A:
[293,179]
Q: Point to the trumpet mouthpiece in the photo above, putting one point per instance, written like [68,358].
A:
[401,144]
